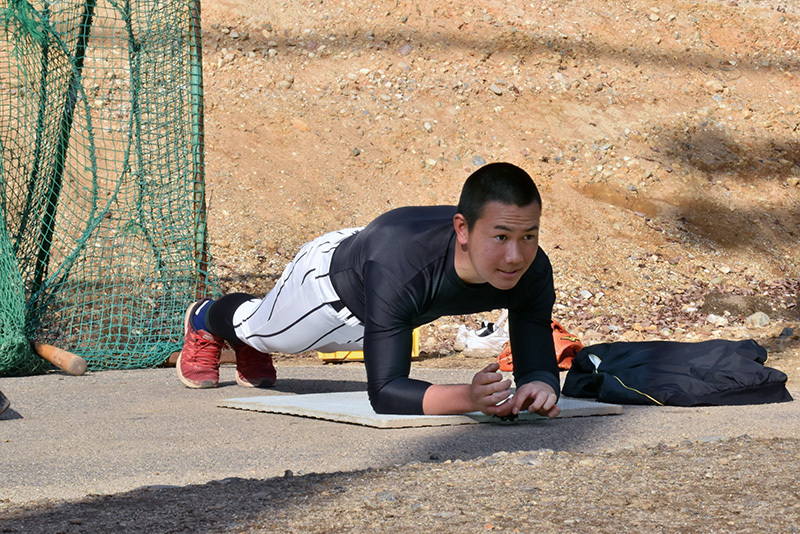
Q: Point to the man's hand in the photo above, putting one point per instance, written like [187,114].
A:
[490,394]
[488,389]
[536,397]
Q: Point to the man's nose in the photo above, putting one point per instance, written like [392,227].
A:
[513,252]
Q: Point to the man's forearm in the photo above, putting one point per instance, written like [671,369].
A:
[448,399]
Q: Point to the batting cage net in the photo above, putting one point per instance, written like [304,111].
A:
[103,241]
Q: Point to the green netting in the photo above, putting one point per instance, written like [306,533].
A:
[101,179]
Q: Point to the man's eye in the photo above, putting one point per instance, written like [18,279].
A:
[530,237]
[500,237]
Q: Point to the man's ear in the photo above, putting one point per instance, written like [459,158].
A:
[462,229]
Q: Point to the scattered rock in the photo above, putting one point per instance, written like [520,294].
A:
[480,354]
[717,320]
[591,337]
[386,496]
[709,439]
[757,320]
[300,124]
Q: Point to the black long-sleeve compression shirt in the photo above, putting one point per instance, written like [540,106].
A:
[398,273]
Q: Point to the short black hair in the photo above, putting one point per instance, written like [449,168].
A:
[496,182]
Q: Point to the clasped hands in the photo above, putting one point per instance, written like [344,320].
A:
[492,395]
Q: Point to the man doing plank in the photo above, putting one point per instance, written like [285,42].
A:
[368,288]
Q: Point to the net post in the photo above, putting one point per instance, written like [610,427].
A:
[54,190]
[198,152]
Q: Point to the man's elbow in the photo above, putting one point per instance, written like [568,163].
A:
[399,397]
[385,405]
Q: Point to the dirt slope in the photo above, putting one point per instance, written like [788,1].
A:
[665,138]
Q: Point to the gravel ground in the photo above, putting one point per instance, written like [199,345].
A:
[665,137]
[168,460]
[739,485]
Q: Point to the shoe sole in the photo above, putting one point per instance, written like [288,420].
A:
[205,384]
[263,384]
[4,405]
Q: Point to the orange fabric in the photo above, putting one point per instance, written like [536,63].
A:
[566,344]
[504,358]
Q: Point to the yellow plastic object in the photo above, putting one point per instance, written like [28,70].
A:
[358,355]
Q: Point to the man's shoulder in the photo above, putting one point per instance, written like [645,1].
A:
[417,233]
[541,264]
[416,214]
[411,224]
[539,277]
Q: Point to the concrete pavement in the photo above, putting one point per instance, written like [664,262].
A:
[114,431]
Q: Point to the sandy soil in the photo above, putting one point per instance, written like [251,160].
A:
[665,137]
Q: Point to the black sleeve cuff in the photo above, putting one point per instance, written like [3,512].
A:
[401,396]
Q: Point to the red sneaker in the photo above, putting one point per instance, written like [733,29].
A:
[254,369]
[198,363]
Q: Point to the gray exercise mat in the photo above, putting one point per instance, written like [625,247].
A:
[353,407]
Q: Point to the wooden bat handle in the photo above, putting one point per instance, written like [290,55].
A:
[71,363]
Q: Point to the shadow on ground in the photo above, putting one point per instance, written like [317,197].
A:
[212,507]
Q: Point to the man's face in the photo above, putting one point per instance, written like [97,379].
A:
[501,245]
